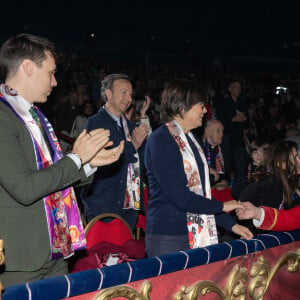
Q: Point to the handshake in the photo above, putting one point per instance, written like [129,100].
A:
[244,211]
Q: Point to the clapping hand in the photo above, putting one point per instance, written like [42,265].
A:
[138,135]
[145,106]
[107,156]
[88,144]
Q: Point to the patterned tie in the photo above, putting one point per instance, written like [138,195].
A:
[36,117]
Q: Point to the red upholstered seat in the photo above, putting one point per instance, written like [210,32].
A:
[116,231]
[222,195]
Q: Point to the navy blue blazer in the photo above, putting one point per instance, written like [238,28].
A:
[107,191]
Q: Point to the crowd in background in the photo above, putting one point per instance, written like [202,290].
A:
[234,122]
[273,114]
[78,94]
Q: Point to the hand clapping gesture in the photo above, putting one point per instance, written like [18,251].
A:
[91,148]
[145,106]
[138,135]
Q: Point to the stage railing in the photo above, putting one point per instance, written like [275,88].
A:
[238,269]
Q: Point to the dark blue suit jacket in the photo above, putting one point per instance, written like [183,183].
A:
[107,191]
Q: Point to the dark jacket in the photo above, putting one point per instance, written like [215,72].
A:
[23,225]
[170,198]
[107,191]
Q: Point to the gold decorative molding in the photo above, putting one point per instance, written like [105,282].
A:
[126,292]
[262,274]
[234,289]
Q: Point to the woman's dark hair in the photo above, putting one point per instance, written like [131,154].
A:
[278,155]
[180,96]
[258,142]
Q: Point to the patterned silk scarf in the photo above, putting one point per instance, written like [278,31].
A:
[202,229]
[219,157]
[65,228]
[133,189]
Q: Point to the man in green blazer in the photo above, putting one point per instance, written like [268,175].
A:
[35,179]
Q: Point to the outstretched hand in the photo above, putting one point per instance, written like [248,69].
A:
[231,205]
[107,156]
[248,211]
[243,231]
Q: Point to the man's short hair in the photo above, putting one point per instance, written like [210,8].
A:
[108,81]
[235,80]
[23,46]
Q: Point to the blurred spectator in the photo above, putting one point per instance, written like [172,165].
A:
[79,122]
[233,113]
[257,167]
[212,139]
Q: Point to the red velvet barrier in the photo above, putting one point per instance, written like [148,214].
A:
[284,285]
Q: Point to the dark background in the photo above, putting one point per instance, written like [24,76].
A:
[257,33]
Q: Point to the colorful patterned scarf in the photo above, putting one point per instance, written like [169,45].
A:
[65,228]
[133,190]
[219,157]
[202,229]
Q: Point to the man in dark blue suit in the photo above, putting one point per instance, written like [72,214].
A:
[117,188]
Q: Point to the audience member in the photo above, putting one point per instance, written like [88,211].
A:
[80,120]
[233,113]
[96,85]
[278,188]
[66,113]
[116,188]
[257,167]
[40,221]
[140,116]
[212,139]
[180,202]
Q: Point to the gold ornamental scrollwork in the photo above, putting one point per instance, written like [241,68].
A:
[234,289]
[126,292]
[262,274]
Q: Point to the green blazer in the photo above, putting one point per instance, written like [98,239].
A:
[23,225]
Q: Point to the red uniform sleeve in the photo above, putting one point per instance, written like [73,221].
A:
[281,220]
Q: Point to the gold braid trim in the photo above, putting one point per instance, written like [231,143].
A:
[274,220]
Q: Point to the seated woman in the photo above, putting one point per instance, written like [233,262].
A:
[268,218]
[181,213]
[278,188]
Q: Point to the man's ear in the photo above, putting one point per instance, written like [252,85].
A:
[28,66]
[108,94]
[182,113]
